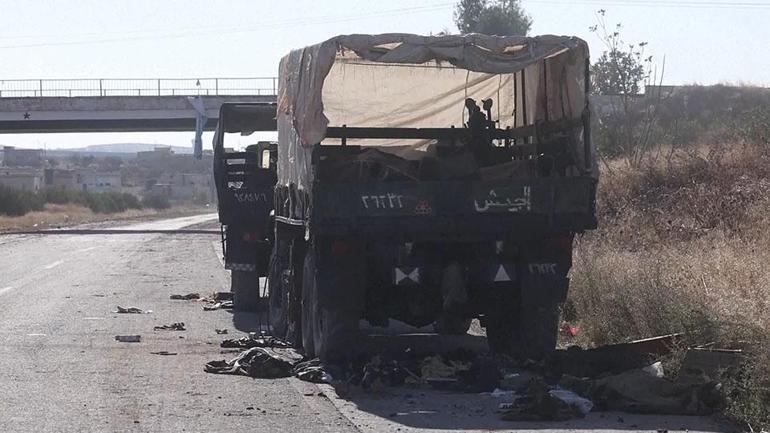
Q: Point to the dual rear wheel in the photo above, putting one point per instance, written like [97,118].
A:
[327,331]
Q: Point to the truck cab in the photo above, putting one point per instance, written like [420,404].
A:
[245,181]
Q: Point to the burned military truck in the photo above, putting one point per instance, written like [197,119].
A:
[431,180]
[245,181]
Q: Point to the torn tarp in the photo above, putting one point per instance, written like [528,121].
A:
[421,81]
[259,362]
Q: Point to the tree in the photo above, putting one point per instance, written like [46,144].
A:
[622,68]
[626,126]
[492,17]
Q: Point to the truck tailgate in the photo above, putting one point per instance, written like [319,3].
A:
[551,204]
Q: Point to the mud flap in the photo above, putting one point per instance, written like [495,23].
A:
[543,288]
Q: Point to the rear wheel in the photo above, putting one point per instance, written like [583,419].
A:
[329,330]
[277,291]
[245,288]
[308,305]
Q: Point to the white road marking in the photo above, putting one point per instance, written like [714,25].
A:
[86,249]
[218,251]
[54,264]
[36,335]
[5,289]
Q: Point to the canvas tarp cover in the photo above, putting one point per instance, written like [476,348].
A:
[401,80]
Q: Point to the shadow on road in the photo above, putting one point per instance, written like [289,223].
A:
[250,322]
[453,411]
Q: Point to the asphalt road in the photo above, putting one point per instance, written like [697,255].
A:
[62,370]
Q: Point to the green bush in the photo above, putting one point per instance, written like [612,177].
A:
[15,202]
[61,196]
[111,202]
[156,201]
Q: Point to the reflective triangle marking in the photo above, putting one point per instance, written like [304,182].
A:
[411,274]
[502,274]
[415,275]
[400,275]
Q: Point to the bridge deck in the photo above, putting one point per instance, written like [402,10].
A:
[113,113]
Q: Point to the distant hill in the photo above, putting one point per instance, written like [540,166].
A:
[127,148]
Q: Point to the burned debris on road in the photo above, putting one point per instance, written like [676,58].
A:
[625,377]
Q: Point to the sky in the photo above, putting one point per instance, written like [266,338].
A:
[702,41]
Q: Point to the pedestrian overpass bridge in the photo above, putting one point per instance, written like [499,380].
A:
[125,105]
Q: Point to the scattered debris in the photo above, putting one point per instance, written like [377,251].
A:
[517,381]
[260,362]
[704,364]
[164,353]
[501,393]
[623,377]
[178,326]
[614,358]
[312,371]
[131,310]
[221,332]
[569,331]
[646,391]
[654,370]
[433,367]
[254,341]
[223,296]
[584,405]
[381,371]
[187,297]
[540,404]
[219,305]
[128,338]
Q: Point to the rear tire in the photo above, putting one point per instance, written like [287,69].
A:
[277,294]
[308,304]
[329,331]
[245,288]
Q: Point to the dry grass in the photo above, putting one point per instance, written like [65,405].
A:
[684,245]
[55,215]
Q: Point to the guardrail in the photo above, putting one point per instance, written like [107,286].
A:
[139,87]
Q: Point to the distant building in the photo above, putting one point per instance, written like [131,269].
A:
[23,178]
[13,157]
[161,189]
[61,178]
[92,181]
[186,186]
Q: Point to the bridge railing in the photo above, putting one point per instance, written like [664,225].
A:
[139,87]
